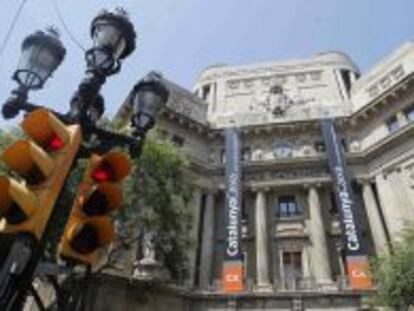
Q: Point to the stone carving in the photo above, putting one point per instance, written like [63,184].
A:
[279,100]
[149,250]
[257,155]
[149,268]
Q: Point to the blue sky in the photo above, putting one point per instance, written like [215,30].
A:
[181,37]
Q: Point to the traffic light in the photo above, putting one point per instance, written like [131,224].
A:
[89,227]
[41,163]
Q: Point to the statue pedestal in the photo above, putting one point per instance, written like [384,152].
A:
[149,269]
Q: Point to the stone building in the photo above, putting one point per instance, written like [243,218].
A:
[291,234]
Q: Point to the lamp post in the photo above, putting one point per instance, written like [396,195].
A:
[42,52]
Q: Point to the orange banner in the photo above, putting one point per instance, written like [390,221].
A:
[359,275]
[233,276]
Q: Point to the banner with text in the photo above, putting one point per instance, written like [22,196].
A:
[356,255]
[232,276]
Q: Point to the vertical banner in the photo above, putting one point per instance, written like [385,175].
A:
[356,255]
[232,276]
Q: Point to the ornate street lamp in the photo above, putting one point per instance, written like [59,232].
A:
[42,52]
[149,96]
[113,38]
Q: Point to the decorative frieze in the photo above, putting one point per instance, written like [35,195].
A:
[387,81]
[286,174]
[249,85]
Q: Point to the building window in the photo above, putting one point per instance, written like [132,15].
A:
[205,92]
[344,145]
[333,208]
[287,207]
[283,150]
[392,124]
[409,113]
[244,215]
[223,156]
[177,140]
[292,268]
[346,78]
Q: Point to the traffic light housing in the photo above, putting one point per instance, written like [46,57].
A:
[89,227]
[41,163]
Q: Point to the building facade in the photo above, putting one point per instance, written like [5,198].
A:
[291,233]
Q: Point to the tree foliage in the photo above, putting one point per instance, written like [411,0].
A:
[158,198]
[7,137]
[394,273]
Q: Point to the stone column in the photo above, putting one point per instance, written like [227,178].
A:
[197,200]
[207,245]
[305,263]
[393,215]
[319,253]
[374,218]
[261,239]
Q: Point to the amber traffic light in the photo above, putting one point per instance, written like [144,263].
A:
[89,227]
[41,163]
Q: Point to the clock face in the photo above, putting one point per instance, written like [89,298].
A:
[283,150]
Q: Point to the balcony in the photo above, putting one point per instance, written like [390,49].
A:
[295,284]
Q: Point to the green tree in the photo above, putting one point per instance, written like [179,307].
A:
[7,137]
[158,197]
[394,274]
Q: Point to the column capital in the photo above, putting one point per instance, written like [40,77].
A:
[212,191]
[314,185]
[256,189]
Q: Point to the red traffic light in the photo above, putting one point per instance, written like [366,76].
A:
[104,172]
[55,143]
